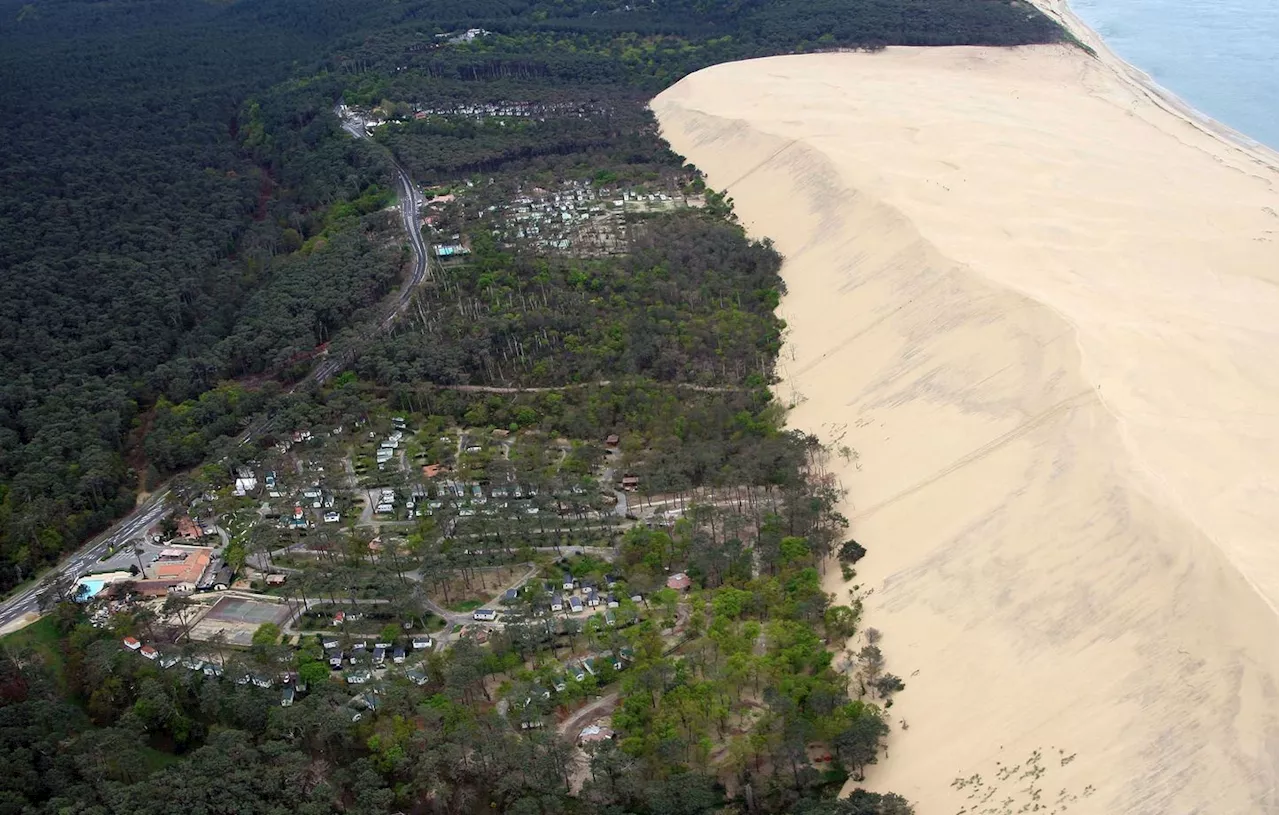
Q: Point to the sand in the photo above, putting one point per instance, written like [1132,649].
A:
[1038,304]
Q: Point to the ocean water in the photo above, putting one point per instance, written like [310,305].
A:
[1222,57]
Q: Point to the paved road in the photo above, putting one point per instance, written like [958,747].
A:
[150,511]
[133,526]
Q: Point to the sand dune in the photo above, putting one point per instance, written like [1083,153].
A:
[1042,309]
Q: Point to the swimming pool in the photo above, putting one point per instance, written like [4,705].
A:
[87,588]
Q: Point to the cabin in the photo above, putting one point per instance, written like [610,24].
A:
[567,585]
[132,644]
[397,656]
[421,643]
[679,581]
[593,598]
[575,605]
[557,603]
[612,601]
[484,615]
[335,659]
[149,653]
[286,696]
[379,655]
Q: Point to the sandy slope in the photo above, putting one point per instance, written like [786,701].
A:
[1042,309]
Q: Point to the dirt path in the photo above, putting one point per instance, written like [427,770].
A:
[601,707]
[602,383]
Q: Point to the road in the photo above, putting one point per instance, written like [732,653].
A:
[153,509]
[133,526]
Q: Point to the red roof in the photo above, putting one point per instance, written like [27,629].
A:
[131,643]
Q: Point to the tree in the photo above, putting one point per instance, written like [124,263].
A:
[58,587]
[313,674]
[841,622]
[858,744]
[268,634]
[851,552]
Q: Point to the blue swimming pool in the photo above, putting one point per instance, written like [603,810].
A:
[88,588]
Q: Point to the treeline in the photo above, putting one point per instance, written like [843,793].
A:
[651,45]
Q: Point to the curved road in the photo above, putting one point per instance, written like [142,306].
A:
[410,203]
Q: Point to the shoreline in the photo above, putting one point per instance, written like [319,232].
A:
[1061,12]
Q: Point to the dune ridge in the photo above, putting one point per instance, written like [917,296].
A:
[1040,310]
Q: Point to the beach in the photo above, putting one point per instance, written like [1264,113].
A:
[1032,306]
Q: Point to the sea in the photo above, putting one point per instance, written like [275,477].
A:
[1222,57]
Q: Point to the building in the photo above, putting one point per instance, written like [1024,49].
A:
[276,579]
[222,579]
[246,482]
[286,696]
[149,653]
[484,615]
[180,564]
[132,644]
[594,733]
[679,581]
[188,528]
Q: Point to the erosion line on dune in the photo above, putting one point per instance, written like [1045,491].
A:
[981,452]
[760,164]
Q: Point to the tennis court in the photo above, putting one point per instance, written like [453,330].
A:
[246,610]
[235,618]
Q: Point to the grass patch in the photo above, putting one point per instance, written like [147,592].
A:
[466,605]
[41,637]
